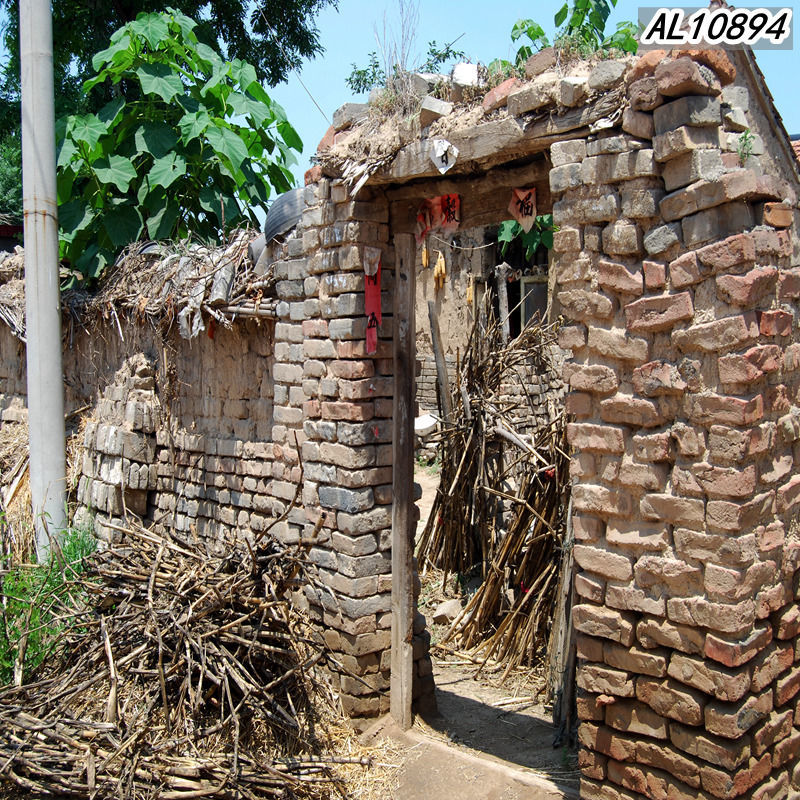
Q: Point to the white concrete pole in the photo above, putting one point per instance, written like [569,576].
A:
[42,294]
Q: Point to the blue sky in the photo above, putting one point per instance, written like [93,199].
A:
[357,28]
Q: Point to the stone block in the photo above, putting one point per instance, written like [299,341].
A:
[432,109]
[723,220]
[662,238]
[568,152]
[698,111]
[680,141]
[671,699]
[683,76]
[638,123]
[652,314]
[692,166]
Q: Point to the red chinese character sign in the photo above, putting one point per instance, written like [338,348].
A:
[372,296]
[441,213]
[523,207]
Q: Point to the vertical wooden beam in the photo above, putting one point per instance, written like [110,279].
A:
[501,271]
[403,481]
[441,363]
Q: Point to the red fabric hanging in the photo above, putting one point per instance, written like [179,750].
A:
[372,296]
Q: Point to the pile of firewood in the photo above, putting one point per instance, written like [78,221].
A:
[181,675]
[502,502]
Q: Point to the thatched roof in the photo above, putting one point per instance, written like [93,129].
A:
[170,281]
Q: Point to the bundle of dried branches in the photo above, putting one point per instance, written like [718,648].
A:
[501,503]
[182,675]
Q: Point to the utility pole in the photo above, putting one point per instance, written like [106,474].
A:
[42,294]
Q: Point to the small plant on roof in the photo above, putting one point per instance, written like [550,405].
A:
[189,146]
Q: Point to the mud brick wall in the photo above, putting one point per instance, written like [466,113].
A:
[426,382]
[680,281]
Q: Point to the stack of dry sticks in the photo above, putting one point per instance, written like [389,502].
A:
[181,675]
[502,501]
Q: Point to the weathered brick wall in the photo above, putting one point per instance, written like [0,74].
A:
[217,435]
[681,290]
[426,381]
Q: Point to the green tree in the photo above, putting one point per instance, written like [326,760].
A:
[11,178]
[190,152]
[273,35]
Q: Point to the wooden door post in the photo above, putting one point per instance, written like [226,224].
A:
[403,480]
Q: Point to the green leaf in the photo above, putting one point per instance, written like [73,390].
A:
[185,24]
[117,53]
[193,125]
[152,27]
[156,138]
[66,152]
[87,129]
[123,224]
[290,136]
[92,261]
[161,224]
[209,55]
[227,143]
[159,79]
[110,112]
[166,170]
[561,15]
[65,178]
[244,73]
[508,230]
[243,105]
[75,215]
[226,212]
[115,169]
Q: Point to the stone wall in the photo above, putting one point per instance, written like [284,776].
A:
[678,273]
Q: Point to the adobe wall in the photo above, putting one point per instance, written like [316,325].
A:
[680,284]
[220,435]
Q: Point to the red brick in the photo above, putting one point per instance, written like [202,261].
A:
[629,410]
[602,438]
[591,588]
[788,496]
[722,482]
[671,699]
[327,140]
[643,94]
[791,357]
[727,618]
[646,64]
[736,652]
[655,274]
[724,684]
[732,720]
[676,510]
[661,756]
[726,585]
[675,575]
[654,447]
[578,404]
[587,529]
[722,335]
[717,60]
[351,412]
[771,244]
[629,598]
[684,271]
[770,663]
[713,409]
[592,765]
[618,278]
[787,750]
[775,323]
[588,648]
[593,499]
[790,284]
[578,304]
[787,687]
[637,536]
[312,175]
[658,378]
[601,562]
[636,659]
[595,378]
[728,785]
[722,752]
[661,633]
[650,783]
[606,741]
[637,718]
[352,370]
[778,215]
[730,252]
[682,76]
[748,289]
[652,314]
[315,328]
[589,709]
[498,97]
[603,622]
[776,727]
[595,678]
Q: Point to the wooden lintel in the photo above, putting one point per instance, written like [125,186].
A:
[402,663]
[497,141]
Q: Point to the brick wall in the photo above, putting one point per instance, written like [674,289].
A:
[681,287]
